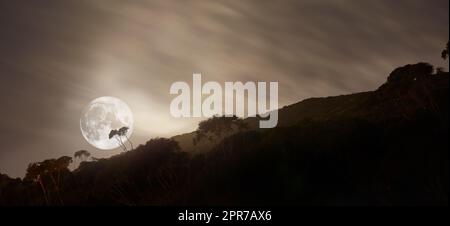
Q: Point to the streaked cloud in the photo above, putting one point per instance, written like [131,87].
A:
[56,56]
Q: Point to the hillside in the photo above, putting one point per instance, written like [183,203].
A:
[383,147]
[415,90]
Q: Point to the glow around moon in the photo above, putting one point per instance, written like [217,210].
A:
[100,117]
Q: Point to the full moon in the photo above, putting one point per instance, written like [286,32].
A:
[100,117]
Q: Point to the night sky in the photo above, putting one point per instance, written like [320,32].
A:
[56,56]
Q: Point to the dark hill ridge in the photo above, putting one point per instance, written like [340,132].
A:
[408,89]
[385,147]
[396,98]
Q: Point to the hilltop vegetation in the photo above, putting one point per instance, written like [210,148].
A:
[383,147]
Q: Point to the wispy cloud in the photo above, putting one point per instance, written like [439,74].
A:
[56,56]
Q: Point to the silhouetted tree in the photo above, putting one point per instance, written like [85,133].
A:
[217,126]
[115,134]
[118,134]
[411,72]
[445,52]
[35,174]
[82,155]
[123,133]
[50,166]
[62,164]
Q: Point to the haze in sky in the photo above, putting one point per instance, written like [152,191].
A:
[56,56]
